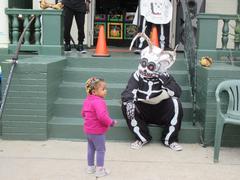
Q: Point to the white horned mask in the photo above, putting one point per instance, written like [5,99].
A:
[154,60]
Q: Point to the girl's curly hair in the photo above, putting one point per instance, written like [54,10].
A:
[91,84]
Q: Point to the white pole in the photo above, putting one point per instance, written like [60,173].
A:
[162,38]
[4,30]
[36,4]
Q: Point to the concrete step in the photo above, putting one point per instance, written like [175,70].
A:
[72,128]
[77,90]
[71,108]
[74,74]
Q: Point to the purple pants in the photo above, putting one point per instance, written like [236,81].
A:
[96,143]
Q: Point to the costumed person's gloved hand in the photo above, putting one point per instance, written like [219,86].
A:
[130,106]
[164,78]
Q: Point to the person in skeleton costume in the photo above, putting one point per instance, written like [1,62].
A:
[152,97]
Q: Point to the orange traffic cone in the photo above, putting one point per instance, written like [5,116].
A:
[154,36]
[101,49]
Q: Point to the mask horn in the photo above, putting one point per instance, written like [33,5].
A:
[172,57]
[175,49]
[142,34]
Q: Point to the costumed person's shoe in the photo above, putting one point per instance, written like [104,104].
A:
[175,146]
[67,47]
[137,144]
[91,169]
[101,171]
[80,48]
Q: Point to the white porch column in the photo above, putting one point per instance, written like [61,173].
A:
[4,38]
[36,4]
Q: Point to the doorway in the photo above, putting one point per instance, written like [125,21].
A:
[23,4]
[117,17]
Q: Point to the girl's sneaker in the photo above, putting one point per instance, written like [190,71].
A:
[91,169]
[101,171]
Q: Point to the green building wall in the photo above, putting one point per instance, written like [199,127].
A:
[31,95]
[207,82]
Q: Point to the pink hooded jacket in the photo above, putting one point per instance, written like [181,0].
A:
[95,115]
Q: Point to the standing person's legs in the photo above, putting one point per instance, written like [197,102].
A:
[148,28]
[143,26]
[80,20]
[99,145]
[91,151]
[166,28]
[68,18]
[90,155]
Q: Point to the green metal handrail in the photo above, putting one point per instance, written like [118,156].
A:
[190,49]
[189,41]
[14,63]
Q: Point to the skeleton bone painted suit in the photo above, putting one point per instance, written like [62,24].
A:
[152,96]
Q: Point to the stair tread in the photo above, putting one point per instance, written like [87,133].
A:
[82,84]
[89,69]
[80,101]
[126,56]
[121,122]
[109,85]
[108,101]
[116,57]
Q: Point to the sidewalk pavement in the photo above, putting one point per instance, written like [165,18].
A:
[66,160]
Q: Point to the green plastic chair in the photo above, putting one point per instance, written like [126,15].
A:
[232,115]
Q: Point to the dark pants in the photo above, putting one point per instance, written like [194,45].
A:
[168,114]
[68,18]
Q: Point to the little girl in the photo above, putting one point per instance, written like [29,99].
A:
[96,123]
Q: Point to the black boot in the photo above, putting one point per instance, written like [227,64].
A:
[67,47]
[80,48]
